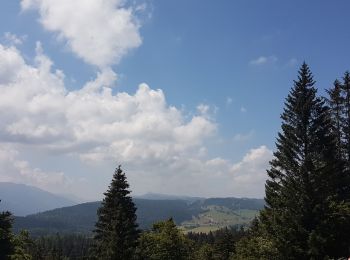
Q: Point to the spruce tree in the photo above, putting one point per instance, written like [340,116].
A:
[116,232]
[339,101]
[305,216]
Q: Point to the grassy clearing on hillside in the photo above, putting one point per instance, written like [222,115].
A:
[216,217]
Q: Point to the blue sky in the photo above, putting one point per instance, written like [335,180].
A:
[213,75]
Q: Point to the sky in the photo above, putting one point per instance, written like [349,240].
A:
[186,95]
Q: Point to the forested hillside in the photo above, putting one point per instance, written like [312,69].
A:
[81,218]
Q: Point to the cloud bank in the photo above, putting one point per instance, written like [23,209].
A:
[162,145]
[37,108]
[162,148]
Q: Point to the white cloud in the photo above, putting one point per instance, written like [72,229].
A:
[243,109]
[262,60]
[13,39]
[14,169]
[229,101]
[37,109]
[244,137]
[249,172]
[203,109]
[10,61]
[100,32]
[161,147]
[211,177]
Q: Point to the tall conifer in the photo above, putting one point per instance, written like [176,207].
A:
[305,216]
[116,232]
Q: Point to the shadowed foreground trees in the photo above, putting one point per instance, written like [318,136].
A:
[6,236]
[14,247]
[164,241]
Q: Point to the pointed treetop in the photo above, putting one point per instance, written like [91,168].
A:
[305,77]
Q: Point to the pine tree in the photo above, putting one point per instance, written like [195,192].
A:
[116,232]
[305,216]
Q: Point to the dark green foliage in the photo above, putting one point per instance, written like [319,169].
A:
[116,232]
[80,219]
[305,217]
[205,252]
[202,238]
[61,247]
[217,245]
[6,236]
[22,247]
[336,103]
[255,245]
[164,242]
[14,247]
[224,245]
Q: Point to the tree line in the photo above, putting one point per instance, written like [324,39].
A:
[307,195]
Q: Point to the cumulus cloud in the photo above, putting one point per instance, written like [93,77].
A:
[161,146]
[100,33]
[262,60]
[91,121]
[249,173]
[212,177]
[10,61]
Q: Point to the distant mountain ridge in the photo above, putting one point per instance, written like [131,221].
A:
[82,217]
[22,199]
[232,203]
[159,196]
[47,213]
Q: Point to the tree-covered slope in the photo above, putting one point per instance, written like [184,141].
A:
[82,217]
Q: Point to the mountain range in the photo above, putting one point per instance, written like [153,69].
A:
[44,213]
[22,199]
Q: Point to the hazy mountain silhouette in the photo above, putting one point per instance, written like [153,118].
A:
[22,199]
